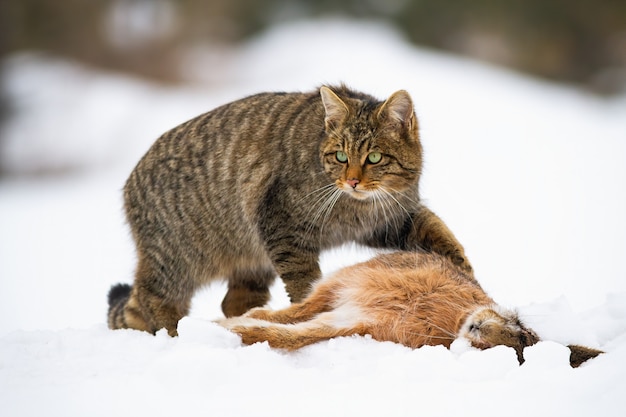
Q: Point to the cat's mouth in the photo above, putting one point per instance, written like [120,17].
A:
[357,192]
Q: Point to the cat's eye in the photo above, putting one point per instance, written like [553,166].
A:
[341,156]
[374,157]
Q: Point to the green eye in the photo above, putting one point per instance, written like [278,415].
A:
[341,156]
[374,157]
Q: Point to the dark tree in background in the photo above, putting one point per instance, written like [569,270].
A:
[582,42]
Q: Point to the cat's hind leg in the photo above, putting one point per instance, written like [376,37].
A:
[148,305]
[247,289]
[130,308]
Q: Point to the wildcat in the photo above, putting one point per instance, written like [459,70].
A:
[404,297]
[258,187]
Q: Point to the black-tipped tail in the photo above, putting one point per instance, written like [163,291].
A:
[118,293]
[118,297]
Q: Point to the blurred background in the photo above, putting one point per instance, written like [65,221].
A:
[581,42]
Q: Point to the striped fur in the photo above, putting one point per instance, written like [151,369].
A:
[255,189]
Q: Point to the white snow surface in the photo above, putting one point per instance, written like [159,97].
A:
[531,177]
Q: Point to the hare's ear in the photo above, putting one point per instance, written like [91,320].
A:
[527,338]
[580,354]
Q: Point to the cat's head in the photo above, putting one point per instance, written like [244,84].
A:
[371,147]
[491,326]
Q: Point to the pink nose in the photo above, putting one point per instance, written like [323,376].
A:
[353,182]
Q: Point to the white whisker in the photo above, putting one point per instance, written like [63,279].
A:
[378,199]
[321,209]
[390,195]
[388,208]
[318,191]
[403,194]
[332,200]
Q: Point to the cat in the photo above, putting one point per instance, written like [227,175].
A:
[258,187]
[404,297]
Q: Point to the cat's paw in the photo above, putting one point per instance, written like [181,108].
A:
[462,262]
[238,300]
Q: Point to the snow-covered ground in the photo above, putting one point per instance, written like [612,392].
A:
[531,176]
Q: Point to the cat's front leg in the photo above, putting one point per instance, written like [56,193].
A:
[287,242]
[298,272]
[430,233]
[296,264]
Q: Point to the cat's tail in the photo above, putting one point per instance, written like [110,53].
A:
[118,298]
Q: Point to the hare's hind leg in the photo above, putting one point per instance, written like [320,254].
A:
[290,336]
[321,300]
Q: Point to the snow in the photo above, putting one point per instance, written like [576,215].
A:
[531,176]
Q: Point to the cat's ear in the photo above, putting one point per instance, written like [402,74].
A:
[336,109]
[398,108]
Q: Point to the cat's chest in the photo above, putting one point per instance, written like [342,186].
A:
[353,220]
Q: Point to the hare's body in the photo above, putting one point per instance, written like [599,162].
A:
[408,298]
[404,297]
[258,187]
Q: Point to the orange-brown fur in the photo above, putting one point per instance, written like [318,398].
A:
[403,297]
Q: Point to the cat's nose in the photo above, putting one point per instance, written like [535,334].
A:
[353,182]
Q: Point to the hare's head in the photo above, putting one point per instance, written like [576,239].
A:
[491,326]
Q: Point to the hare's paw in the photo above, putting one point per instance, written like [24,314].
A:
[259,313]
[232,323]
[581,354]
